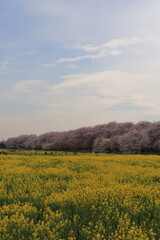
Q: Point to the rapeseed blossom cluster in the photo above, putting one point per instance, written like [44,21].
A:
[81,197]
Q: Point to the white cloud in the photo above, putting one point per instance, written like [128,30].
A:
[71,66]
[28,86]
[29,53]
[78,91]
[110,86]
[49,65]
[6,61]
[116,43]
[10,59]
[69,60]
[110,48]
[87,99]
[121,28]
[100,54]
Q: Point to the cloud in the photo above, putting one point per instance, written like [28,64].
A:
[107,88]
[109,48]
[110,91]
[110,87]
[116,43]
[49,65]
[130,106]
[87,99]
[28,86]
[100,54]
[6,61]
[97,45]
[28,53]
[71,66]
[50,8]
[108,78]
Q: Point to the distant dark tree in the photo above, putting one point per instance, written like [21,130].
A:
[2,145]
[77,146]
[38,147]
[156,146]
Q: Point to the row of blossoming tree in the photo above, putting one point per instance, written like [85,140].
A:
[128,138]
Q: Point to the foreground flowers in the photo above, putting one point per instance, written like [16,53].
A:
[79,197]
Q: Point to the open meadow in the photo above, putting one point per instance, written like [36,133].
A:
[79,197]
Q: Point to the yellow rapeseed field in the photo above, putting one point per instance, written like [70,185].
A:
[79,197]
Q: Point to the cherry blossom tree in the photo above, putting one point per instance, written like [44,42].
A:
[134,142]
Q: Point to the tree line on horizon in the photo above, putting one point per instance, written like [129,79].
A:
[126,138]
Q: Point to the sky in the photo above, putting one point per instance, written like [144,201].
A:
[66,64]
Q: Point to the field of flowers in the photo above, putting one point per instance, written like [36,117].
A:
[79,197]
